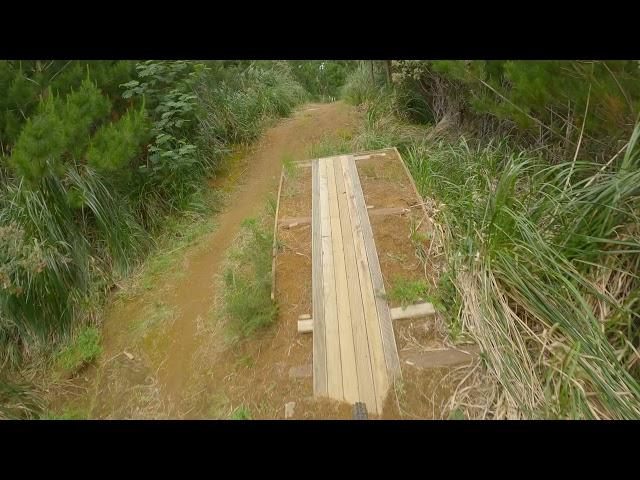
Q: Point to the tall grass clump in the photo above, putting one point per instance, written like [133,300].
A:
[59,242]
[544,260]
[237,109]
[247,281]
[360,86]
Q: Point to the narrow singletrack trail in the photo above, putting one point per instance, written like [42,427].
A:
[164,378]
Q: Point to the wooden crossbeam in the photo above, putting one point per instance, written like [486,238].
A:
[305,322]
[292,222]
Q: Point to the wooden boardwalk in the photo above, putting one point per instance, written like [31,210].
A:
[355,357]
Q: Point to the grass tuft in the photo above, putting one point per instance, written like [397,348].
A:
[84,348]
[408,292]
[247,281]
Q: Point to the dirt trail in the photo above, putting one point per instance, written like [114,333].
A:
[292,138]
[159,380]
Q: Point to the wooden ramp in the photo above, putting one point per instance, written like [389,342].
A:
[355,357]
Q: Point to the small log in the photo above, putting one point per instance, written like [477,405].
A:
[305,325]
[412,311]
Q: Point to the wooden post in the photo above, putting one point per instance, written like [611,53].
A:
[274,250]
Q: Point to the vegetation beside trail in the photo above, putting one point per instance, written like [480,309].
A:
[95,157]
[529,168]
[248,278]
[533,167]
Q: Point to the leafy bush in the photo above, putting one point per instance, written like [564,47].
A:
[117,145]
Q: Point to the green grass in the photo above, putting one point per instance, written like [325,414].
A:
[289,165]
[407,292]
[542,265]
[528,254]
[82,350]
[247,281]
[19,399]
[69,413]
[241,413]
[245,361]
[328,146]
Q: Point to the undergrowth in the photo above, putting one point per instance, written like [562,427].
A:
[94,177]
[248,279]
[542,255]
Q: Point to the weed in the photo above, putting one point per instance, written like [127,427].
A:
[247,282]
[245,361]
[456,414]
[83,349]
[70,413]
[407,291]
[241,413]
[290,167]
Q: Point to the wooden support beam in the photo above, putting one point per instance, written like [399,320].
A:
[367,157]
[412,311]
[305,325]
[292,222]
[274,250]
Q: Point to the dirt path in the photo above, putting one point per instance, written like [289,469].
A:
[153,365]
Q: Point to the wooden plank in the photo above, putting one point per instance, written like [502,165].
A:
[305,326]
[388,211]
[294,221]
[319,339]
[365,385]
[447,357]
[332,331]
[368,156]
[386,327]
[347,352]
[274,250]
[376,351]
[412,311]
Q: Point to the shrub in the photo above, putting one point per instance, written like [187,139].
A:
[116,145]
[247,297]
